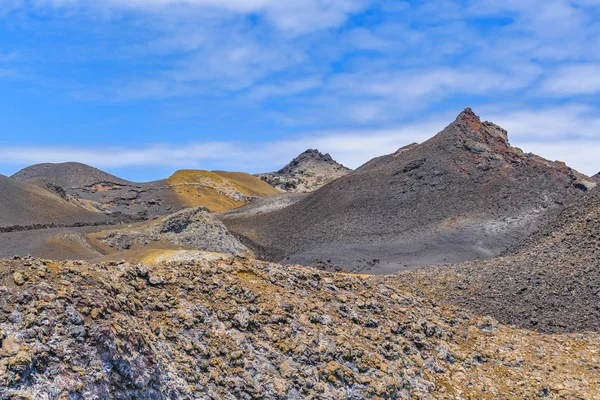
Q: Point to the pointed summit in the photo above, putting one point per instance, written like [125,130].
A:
[461,195]
[469,118]
[306,173]
[471,128]
[310,156]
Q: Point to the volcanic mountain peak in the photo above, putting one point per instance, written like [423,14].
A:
[309,157]
[306,173]
[468,131]
[461,195]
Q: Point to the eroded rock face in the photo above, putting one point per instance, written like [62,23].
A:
[308,172]
[192,229]
[245,329]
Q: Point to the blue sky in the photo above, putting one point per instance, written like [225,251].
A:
[144,87]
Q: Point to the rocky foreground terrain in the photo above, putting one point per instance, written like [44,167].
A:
[465,194]
[306,173]
[242,329]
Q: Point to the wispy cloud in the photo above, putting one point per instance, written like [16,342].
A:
[572,80]
[294,16]
[543,132]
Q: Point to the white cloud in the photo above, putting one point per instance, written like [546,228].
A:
[571,121]
[573,80]
[297,16]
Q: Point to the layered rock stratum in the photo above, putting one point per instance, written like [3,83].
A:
[306,173]
[242,329]
[465,194]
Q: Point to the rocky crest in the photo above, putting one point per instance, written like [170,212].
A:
[308,172]
[190,229]
[98,191]
[245,330]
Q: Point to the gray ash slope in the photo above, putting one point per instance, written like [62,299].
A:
[551,284]
[462,195]
[306,173]
[99,191]
[25,204]
[70,175]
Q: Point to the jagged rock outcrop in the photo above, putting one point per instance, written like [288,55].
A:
[243,329]
[191,229]
[462,195]
[308,172]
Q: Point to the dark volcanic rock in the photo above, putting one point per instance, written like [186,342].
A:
[242,329]
[25,204]
[97,190]
[308,172]
[462,195]
[550,284]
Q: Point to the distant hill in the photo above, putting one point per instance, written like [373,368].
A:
[462,195]
[218,190]
[308,172]
[99,191]
[26,204]
[70,175]
[597,176]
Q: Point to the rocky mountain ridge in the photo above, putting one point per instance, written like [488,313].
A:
[308,172]
[464,194]
[101,192]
